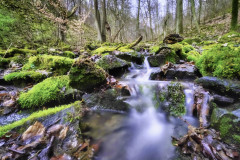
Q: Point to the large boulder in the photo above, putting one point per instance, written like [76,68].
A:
[131,56]
[107,100]
[157,60]
[221,86]
[113,65]
[173,38]
[228,123]
[85,75]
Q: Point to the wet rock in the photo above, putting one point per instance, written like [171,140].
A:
[157,60]
[85,75]
[106,100]
[173,38]
[130,56]
[222,100]
[164,50]
[228,124]
[221,86]
[113,65]
[182,72]
[156,74]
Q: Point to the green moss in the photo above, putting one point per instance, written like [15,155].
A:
[109,62]
[236,138]
[4,62]
[187,48]
[44,92]
[154,49]
[191,40]
[25,75]
[104,49]
[34,116]
[225,126]
[193,56]
[68,54]
[85,74]
[59,65]
[125,49]
[207,42]
[233,37]
[219,61]
[11,52]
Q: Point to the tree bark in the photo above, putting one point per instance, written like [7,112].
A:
[138,22]
[179,25]
[98,20]
[104,21]
[234,21]
[194,15]
[200,12]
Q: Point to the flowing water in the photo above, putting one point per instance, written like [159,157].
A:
[145,133]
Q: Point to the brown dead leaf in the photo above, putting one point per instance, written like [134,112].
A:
[55,129]
[62,157]
[63,133]
[37,129]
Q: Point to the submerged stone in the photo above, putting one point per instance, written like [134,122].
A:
[131,56]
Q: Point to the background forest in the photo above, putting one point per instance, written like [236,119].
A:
[36,23]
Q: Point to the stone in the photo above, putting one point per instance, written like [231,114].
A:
[157,60]
[85,75]
[222,100]
[221,86]
[136,57]
[172,39]
[113,65]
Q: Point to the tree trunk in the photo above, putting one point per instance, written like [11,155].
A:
[98,20]
[194,15]
[104,21]
[138,22]
[200,12]
[179,25]
[234,21]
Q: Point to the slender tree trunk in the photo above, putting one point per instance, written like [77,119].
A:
[150,18]
[104,21]
[179,25]
[234,21]
[200,12]
[194,15]
[138,22]
[98,20]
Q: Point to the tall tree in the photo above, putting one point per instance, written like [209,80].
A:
[179,25]
[200,12]
[194,15]
[104,21]
[234,21]
[98,20]
[138,20]
[149,6]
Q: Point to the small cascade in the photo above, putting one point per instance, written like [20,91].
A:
[145,76]
[204,109]
[189,102]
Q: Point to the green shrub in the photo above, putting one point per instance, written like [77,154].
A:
[220,61]
[59,65]
[25,75]
[44,92]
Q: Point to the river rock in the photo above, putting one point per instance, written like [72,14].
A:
[108,99]
[157,60]
[130,56]
[222,100]
[85,75]
[113,65]
[221,86]
[172,39]
[227,123]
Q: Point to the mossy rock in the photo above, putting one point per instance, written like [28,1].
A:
[49,92]
[11,52]
[221,86]
[224,64]
[113,65]
[85,75]
[24,77]
[231,37]
[56,64]
[227,123]
[104,50]
[155,49]
[4,62]
[192,40]
[131,56]
[68,54]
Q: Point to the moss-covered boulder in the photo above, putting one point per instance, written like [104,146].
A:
[104,50]
[173,38]
[222,86]
[49,92]
[56,64]
[85,75]
[228,123]
[24,77]
[13,51]
[113,65]
[131,56]
[106,100]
